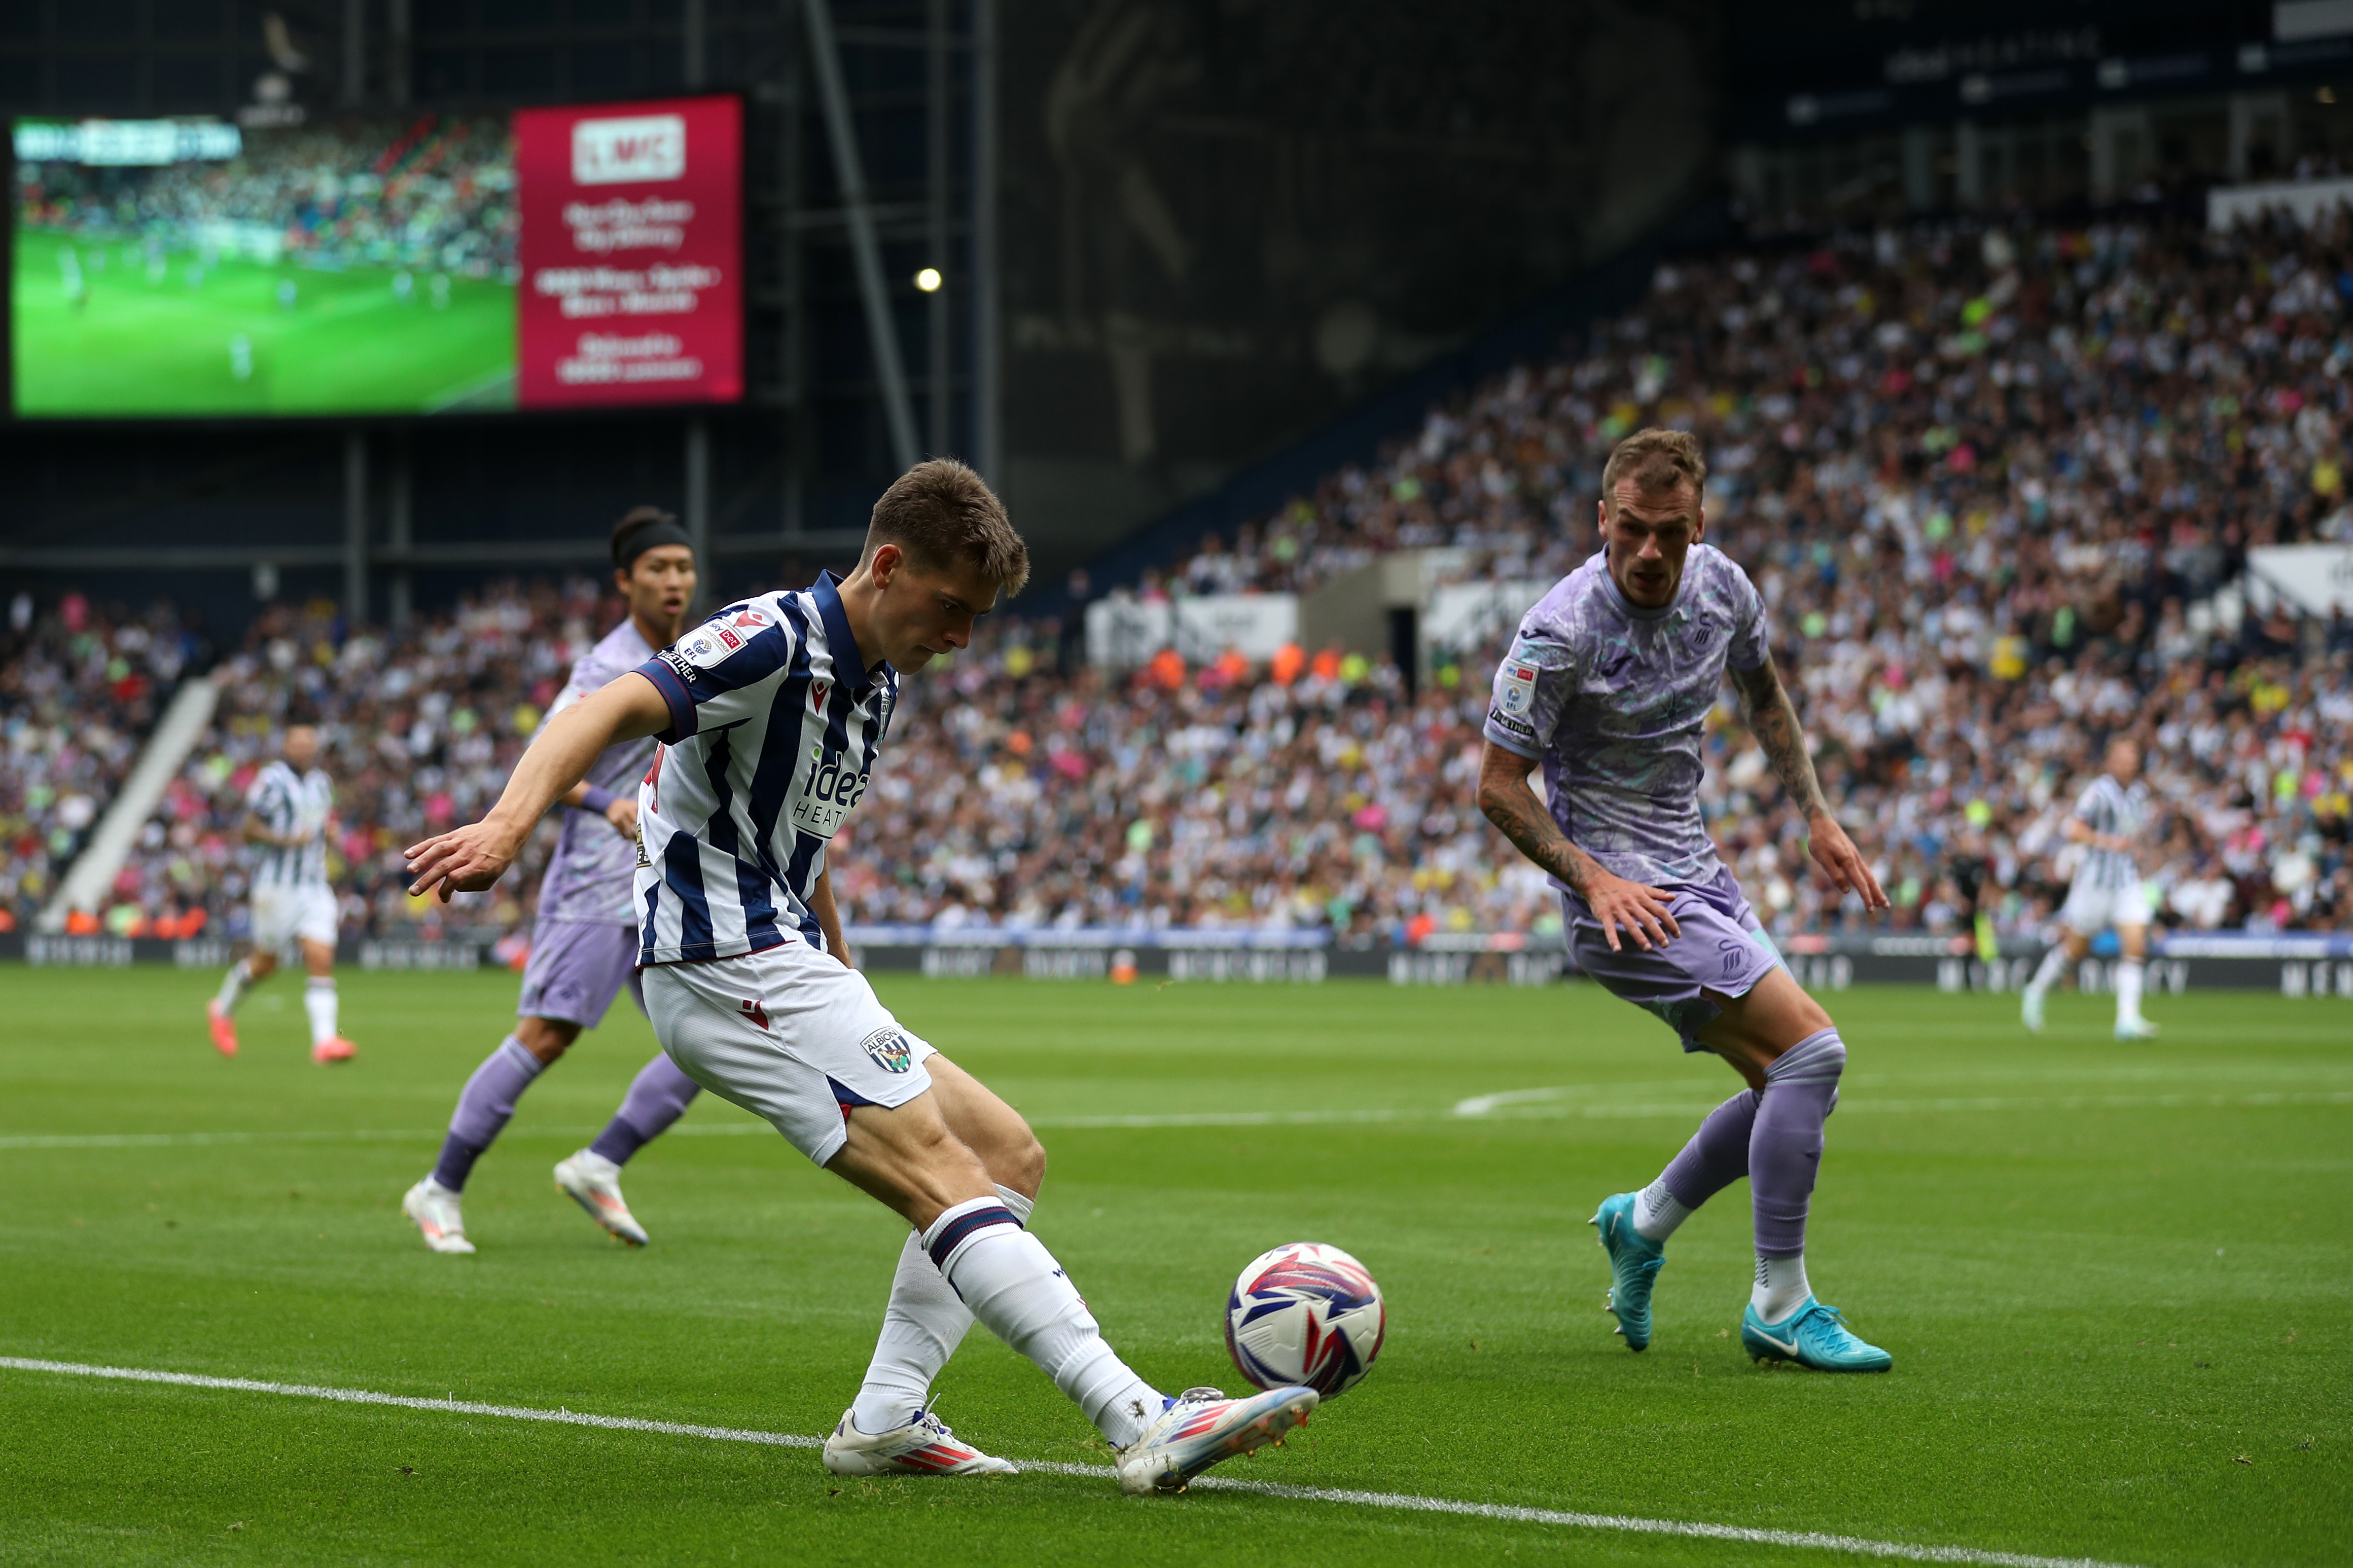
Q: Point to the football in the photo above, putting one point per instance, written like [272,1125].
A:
[1306,1315]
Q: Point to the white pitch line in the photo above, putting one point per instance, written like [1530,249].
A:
[411,1401]
[1855,1545]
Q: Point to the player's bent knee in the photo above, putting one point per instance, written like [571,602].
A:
[908,1157]
[1023,1168]
[546,1038]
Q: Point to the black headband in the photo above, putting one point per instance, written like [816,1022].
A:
[653,536]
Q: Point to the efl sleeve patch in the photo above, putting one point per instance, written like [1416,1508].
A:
[1516,689]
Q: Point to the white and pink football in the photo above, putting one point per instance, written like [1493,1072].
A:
[1306,1315]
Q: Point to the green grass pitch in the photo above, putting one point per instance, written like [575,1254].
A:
[2117,1282]
[137,345]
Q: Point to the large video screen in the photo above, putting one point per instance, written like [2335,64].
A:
[550,259]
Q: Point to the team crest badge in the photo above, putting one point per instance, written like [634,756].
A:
[890,1050]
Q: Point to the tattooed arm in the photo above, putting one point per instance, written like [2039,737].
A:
[1508,801]
[1773,720]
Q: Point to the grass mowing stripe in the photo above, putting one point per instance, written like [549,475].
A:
[1860,1546]
[1521,1104]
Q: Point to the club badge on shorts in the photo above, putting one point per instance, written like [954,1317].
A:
[889,1049]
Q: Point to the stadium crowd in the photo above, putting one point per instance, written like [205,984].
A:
[80,688]
[1989,483]
[419,732]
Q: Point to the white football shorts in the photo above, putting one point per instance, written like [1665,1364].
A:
[2090,911]
[791,1036]
[284,914]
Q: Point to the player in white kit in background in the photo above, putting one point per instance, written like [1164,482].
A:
[2109,819]
[289,814]
[583,943]
[771,715]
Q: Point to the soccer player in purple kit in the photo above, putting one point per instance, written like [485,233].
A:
[1607,686]
[772,715]
[583,944]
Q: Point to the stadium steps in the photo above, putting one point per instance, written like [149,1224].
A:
[183,725]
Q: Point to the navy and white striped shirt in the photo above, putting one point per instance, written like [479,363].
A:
[2112,810]
[775,724]
[291,803]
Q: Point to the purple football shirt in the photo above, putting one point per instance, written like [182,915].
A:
[1613,699]
[591,876]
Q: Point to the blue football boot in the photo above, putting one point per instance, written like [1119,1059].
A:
[1634,1262]
[1813,1336]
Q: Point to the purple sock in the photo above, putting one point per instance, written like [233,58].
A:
[1785,1149]
[484,1107]
[1718,1154]
[657,1096]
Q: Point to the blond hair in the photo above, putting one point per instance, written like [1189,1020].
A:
[1655,459]
[942,513]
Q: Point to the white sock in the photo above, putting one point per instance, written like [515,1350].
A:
[2046,975]
[1013,1284]
[1657,1211]
[921,1327]
[318,1001]
[1781,1287]
[2129,972]
[232,986]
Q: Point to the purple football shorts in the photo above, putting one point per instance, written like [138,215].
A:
[1722,949]
[576,968]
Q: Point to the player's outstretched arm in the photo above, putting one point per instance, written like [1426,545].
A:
[1774,721]
[1510,803]
[475,856]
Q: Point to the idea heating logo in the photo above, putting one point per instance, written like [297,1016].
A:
[628,149]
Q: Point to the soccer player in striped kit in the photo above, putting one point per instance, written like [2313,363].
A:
[772,714]
[2108,820]
[583,944]
[289,812]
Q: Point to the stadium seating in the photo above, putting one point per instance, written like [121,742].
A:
[420,732]
[1989,484]
[79,689]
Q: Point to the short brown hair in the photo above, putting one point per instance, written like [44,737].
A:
[1655,459]
[941,512]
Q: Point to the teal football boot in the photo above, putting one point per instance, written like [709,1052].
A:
[1634,1262]
[1813,1336]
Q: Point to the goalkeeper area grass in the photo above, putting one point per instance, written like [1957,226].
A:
[2118,1281]
[99,333]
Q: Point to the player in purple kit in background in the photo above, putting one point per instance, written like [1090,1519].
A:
[584,945]
[1609,685]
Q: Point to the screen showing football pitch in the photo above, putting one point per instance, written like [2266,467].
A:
[550,259]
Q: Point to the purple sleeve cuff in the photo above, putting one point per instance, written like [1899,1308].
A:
[674,692]
[1516,745]
[599,801]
